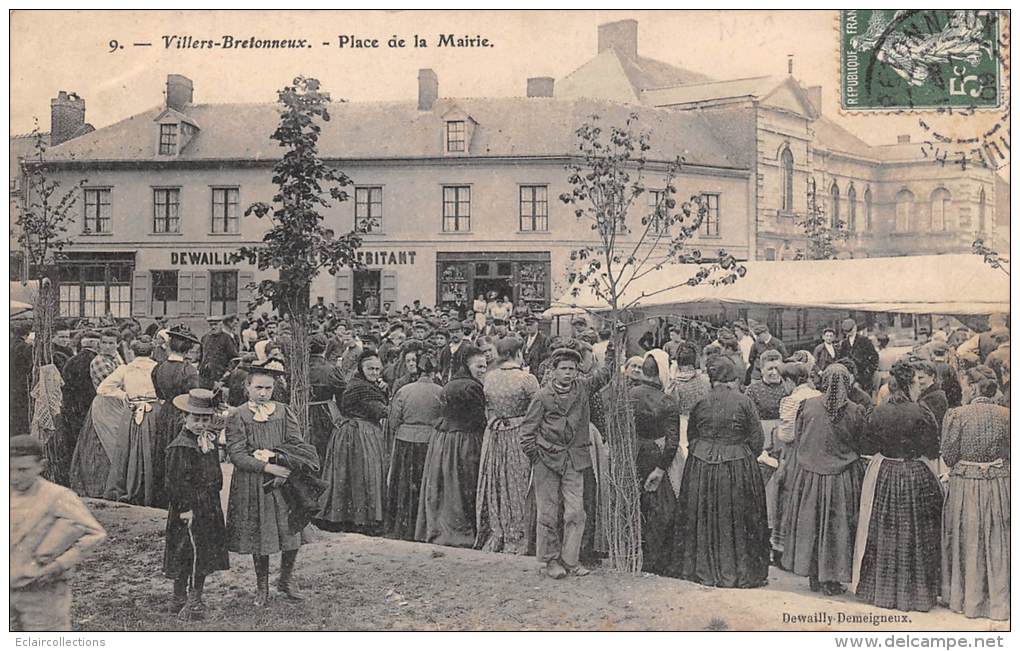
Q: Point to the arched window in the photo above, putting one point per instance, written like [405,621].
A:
[786,160]
[981,212]
[812,193]
[835,205]
[904,208]
[867,209]
[939,209]
[851,200]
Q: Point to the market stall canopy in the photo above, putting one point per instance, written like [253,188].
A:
[929,284]
[17,307]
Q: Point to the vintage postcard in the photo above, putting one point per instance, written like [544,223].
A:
[582,320]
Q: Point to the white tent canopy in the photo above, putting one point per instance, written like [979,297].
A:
[929,284]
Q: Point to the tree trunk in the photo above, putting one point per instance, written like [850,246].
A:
[44,317]
[624,526]
[297,358]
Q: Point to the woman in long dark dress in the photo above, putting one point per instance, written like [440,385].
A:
[823,501]
[196,535]
[897,552]
[721,534]
[446,508]
[976,515]
[355,464]
[171,378]
[414,413]
[656,424]
[327,387]
[257,513]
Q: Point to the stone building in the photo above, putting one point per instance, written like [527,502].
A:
[466,190]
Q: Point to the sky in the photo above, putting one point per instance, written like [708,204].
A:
[727,44]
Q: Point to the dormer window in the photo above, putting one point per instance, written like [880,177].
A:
[174,132]
[456,136]
[167,139]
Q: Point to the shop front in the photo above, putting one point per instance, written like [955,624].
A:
[390,279]
[93,285]
[191,283]
[523,277]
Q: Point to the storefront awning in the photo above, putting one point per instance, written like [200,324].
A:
[932,284]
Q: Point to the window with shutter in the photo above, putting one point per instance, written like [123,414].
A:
[200,294]
[245,280]
[185,284]
[389,287]
[344,287]
[140,294]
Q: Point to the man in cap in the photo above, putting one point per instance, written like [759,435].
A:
[536,344]
[555,436]
[61,345]
[218,348]
[448,354]
[577,326]
[676,338]
[51,530]
[390,348]
[860,349]
[826,352]
[763,340]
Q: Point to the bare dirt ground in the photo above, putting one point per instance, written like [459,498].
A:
[354,582]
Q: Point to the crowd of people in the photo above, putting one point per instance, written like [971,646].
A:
[853,464]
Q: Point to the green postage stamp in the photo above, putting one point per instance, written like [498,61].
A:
[919,59]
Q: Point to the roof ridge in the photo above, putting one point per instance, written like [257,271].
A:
[712,83]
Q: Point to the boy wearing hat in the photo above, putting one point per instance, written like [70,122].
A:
[51,529]
[556,438]
[196,537]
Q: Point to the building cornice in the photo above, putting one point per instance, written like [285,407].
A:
[219,163]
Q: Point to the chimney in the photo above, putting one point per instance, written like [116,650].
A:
[428,89]
[903,139]
[621,36]
[67,116]
[814,94]
[540,86]
[179,91]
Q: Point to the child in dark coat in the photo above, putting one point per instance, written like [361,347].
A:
[196,536]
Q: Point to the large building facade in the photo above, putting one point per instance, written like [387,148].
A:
[463,194]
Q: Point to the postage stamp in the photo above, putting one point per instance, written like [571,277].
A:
[919,59]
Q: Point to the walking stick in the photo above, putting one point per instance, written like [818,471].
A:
[185,614]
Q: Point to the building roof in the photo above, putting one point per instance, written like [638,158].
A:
[831,136]
[753,87]
[645,73]
[506,127]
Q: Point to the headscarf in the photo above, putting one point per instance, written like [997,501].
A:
[836,384]
[365,354]
[721,369]
[662,361]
